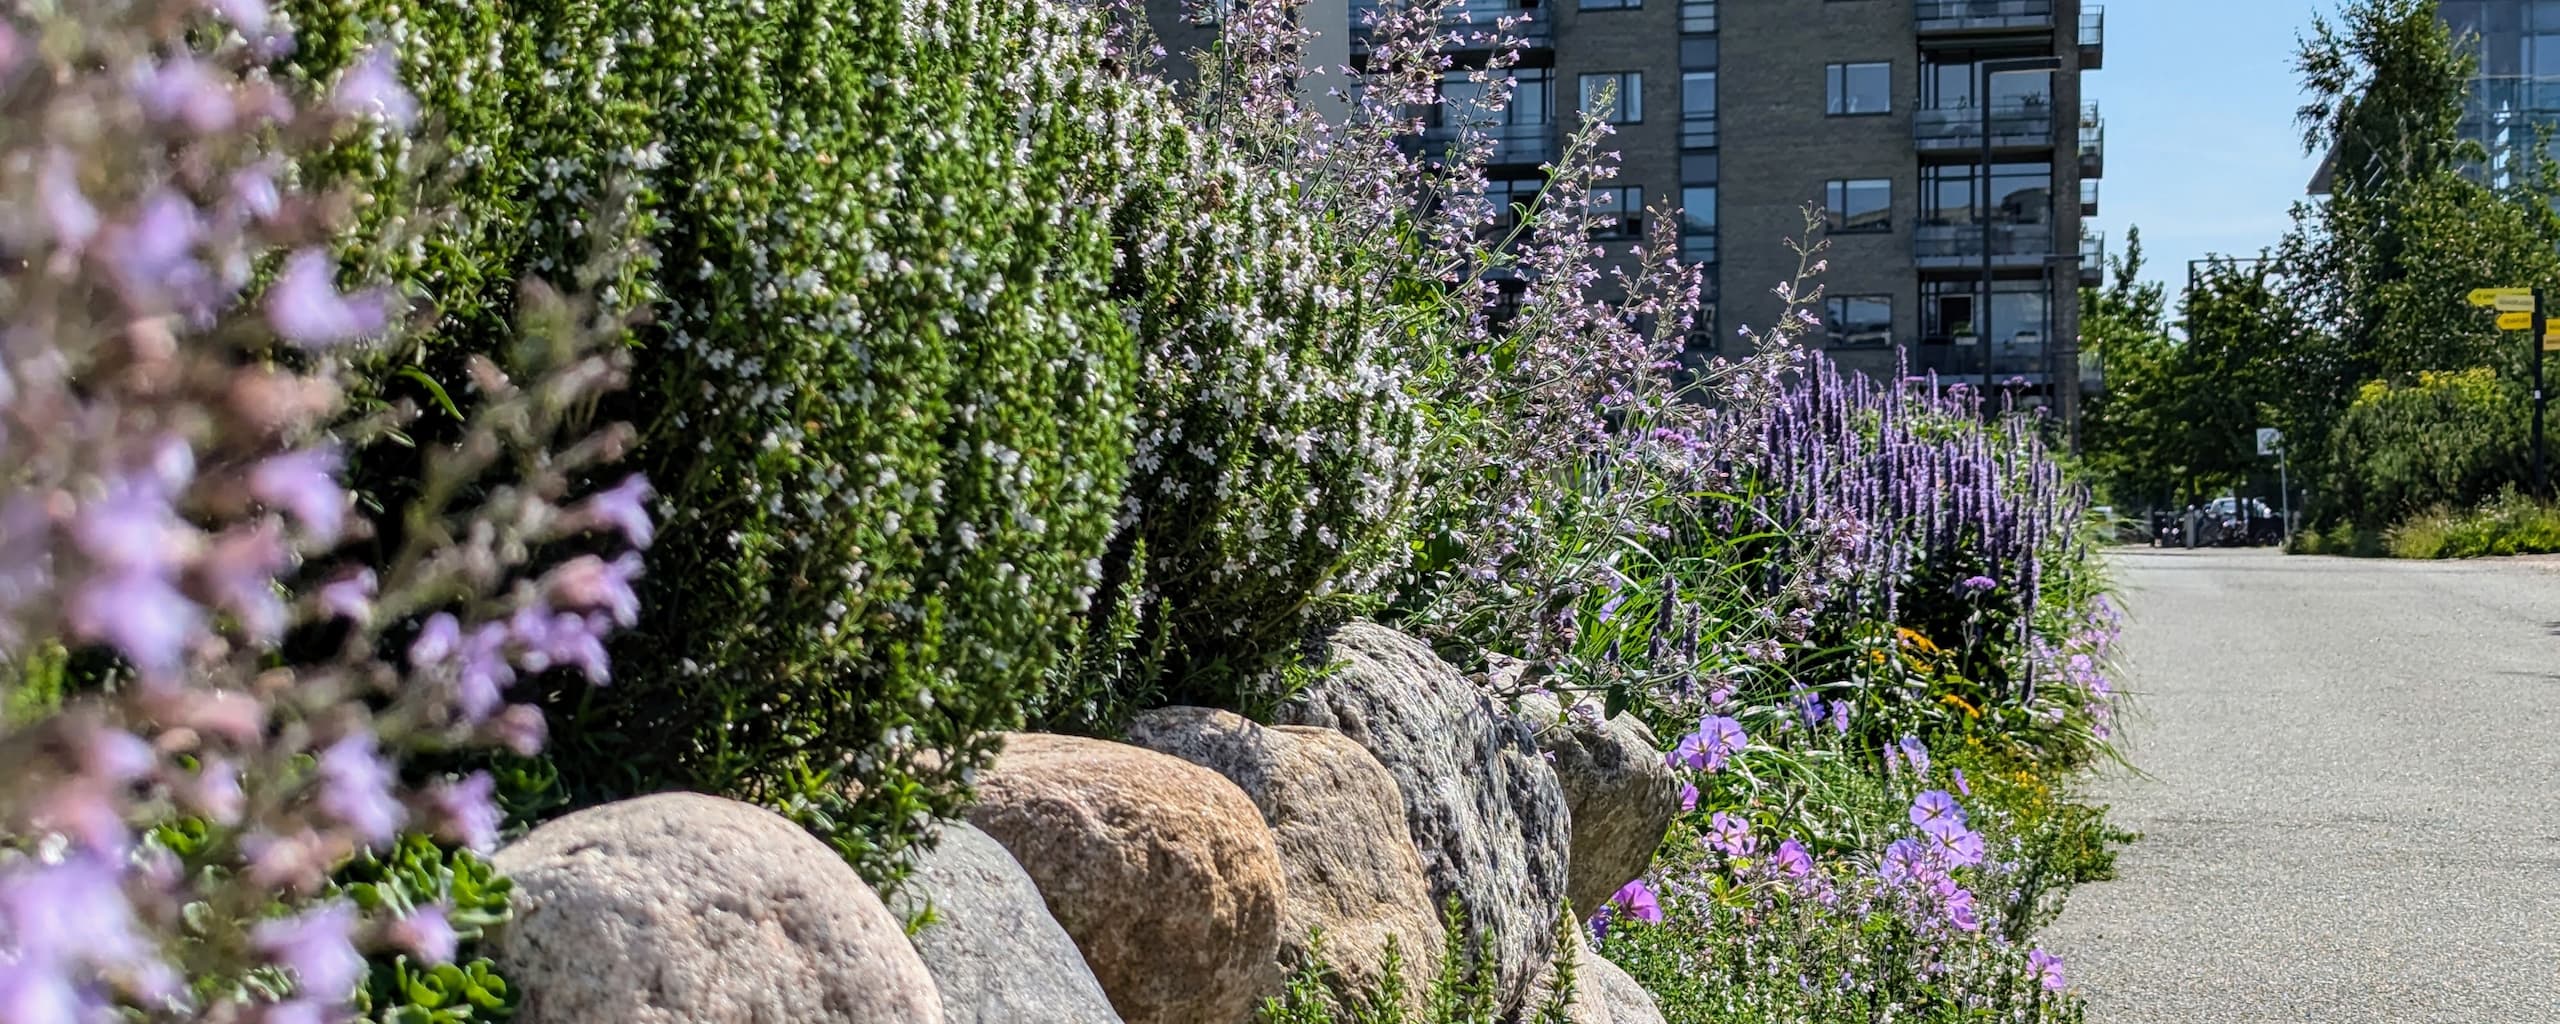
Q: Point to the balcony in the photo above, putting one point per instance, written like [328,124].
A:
[1527,144]
[2088,197]
[2014,246]
[2022,357]
[2093,144]
[1468,25]
[1698,131]
[1981,17]
[2016,124]
[2093,259]
[2093,38]
[1697,17]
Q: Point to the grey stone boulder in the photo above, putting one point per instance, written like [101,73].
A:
[1627,1002]
[1350,867]
[681,908]
[994,951]
[1484,810]
[1619,788]
[1161,871]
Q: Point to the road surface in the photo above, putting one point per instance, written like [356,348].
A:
[2352,809]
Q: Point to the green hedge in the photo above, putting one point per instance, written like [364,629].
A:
[2452,438]
[882,390]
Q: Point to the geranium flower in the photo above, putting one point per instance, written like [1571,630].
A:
[1639,901]
[1937,813]
[2048,968]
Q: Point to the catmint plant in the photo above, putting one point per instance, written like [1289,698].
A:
[203,634]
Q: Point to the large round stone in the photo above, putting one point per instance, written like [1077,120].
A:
[994,951]
[1618,787]
[1351,869]
[1161,870]
[688,909]
[1483,808]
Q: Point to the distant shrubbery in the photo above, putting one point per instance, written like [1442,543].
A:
[2509,525]
[2453,438]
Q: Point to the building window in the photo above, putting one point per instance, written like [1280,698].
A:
[1697,15]
[1860,88]
[1860,319]
[1698,110]
[1462,99]
[1698,224]
[1508,196]
[1617,212]
[2020,193]
[1611,5]
[1625,96]
[1858,205]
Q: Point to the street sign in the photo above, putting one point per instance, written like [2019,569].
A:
[2551,341]
[2504,300]
[2270,440]
[2515,321]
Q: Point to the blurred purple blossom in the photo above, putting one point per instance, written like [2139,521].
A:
[306,308]
[318,947]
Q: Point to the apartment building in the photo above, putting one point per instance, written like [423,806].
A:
[1944,141]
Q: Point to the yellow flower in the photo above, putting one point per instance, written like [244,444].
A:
[1953,701]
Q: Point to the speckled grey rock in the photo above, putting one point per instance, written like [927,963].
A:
[681,908]
[1160,870]
[1350,866]
[1483,808]
[1617,784]
[994,951]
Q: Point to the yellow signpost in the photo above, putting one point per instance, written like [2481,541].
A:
[2504,300]
[2515,321]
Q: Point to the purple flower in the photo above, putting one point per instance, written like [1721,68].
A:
[153,258]
[483,674]
[1904,861]
[350,597]
[318,946]
[1610,609]
[1916,755]
[141,615]
[1962,787]
[438,640]
[372,89]
[1976,585]
[132,526]
[355,788]
[1960,909]
[304,483]
[249,16]
[1688,797]
[186,92]
[626,508]
[426,932]
[589,582]
[1792,861]
[464,811]
[2048,968]
[520,728]
[1731,834]
[306,308]
[1937,813]
[1639,901]
[66,210]
[71,910]
[1715,742]
[240,572]
[215,791]
[1840,717]
[1959,847]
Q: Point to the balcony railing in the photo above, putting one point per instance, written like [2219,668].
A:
[1512,143]
[1959,246]
[2088,197]
[1469,25]
[1697,16]
[2093,259]
[1698,131]
[1976,17]
[2093,38]
[2009,360]
[2015,124]
[2093,144]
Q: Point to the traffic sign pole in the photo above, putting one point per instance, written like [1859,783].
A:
[2541,323]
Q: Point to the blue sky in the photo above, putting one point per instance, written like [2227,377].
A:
[2202,153]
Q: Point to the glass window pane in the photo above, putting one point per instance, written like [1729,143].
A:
[1698,209]
[1698,92]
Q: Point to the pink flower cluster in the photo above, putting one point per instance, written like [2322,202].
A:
[191,610]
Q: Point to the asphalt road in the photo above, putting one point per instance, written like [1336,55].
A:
[2352,804]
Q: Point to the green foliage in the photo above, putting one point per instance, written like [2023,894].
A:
[1315,993]
[417,873]
[2445,438]
[882,389]
[1275,430]
[2509,525]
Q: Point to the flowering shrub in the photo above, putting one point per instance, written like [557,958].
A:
[1268,263]
[214,667]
